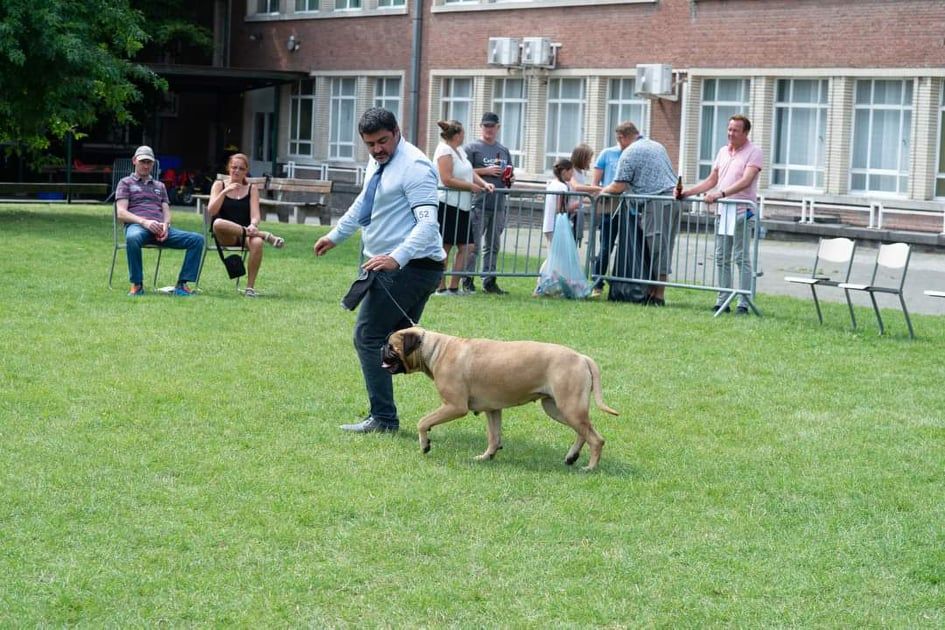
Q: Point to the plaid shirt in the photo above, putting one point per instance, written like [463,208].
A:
[645,167]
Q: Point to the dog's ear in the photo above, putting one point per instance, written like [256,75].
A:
[411,341]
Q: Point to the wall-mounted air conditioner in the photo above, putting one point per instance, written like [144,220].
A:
[536,51]
[504,51]
[654,79]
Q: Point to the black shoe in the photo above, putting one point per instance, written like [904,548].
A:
[715,309]
[492,287]
[741,310]
[370,425]
[468,285]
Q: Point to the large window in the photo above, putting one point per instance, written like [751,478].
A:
[306,6]
[456,103]
[940,178]
[565,122]
[387,94]
[624,105]
[267,6]
[509,103]
[386,4]
[721,99]
[800,128]
[341,127]
[342,5]
[882,121]
[301,117]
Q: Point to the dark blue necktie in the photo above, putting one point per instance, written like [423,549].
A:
[367,204]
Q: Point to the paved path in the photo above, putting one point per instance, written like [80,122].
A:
[792,258]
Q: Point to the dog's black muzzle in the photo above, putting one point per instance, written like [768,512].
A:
[391,361]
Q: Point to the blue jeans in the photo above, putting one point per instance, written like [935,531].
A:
[378,317]
[137,236]
[608,228]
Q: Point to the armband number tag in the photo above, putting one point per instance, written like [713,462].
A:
[424,214]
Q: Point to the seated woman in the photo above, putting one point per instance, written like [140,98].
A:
[234,212]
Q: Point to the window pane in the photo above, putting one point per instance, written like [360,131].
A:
[861,138]
[708,90]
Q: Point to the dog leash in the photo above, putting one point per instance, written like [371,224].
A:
[399,307]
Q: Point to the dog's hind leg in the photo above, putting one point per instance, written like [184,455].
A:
[548,404]
[444,413]
[495,435]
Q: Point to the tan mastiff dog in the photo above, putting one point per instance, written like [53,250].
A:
[484,375]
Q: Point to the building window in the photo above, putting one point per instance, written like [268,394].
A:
[882,121]
[800,128]
[387,94]
[940,178]
[301,117]
[509,104]
[456,103]
[344,5]
[342,125]
[565,122]
[721,99]
[262,136]
[306,6]
[624,105]
[267,7]
[387,4]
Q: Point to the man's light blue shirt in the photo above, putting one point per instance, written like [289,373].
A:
[403,220]
[607,162]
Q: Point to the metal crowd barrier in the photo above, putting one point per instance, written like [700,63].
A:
[644,239]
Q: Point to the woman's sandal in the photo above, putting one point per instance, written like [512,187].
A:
[276,241]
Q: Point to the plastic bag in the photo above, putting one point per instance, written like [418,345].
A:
[561,274]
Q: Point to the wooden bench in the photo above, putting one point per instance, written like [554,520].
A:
[272,193]
[67,189]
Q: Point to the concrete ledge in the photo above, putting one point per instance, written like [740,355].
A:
[805,231]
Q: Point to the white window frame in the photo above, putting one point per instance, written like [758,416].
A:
[298,101]
[939,189]
[308,4]
[905,109]
[272,5]
[554,148]
[511,137]
[790,107]
[391,4]
[348,5]
[387,98]
[719,125]
[341,139]
[621,98]
[450,102]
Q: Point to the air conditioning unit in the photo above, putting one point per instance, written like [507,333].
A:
[504,51]
[654,79]
[536,51]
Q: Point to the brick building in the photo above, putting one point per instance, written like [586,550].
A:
[847,98]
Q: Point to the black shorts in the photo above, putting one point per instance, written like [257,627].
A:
[454,225]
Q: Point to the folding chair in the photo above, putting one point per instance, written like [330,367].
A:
[832,250]
[211,245]
[122,168]
[893,259]
[940,294]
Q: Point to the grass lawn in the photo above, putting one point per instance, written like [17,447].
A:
[178,460]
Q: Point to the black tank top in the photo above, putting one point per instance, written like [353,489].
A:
[236,210]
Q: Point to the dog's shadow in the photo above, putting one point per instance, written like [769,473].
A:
[461,444]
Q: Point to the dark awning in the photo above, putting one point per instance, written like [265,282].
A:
[185,78]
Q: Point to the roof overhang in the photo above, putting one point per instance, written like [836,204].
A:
[186,78]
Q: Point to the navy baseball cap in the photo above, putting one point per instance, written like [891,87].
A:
[489,119]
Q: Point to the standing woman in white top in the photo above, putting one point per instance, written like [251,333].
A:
[582,157]
[455,172]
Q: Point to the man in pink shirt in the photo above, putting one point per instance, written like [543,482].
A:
[734,176]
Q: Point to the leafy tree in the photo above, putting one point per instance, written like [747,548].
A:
[68,63]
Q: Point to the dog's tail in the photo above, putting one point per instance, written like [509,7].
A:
[595,387]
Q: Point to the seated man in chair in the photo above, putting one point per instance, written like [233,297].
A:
[142,205]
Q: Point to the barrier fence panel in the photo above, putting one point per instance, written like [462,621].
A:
[642,239]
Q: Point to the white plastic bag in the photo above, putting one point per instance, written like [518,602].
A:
[561,274]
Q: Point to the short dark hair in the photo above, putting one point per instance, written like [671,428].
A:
[627,129]
[377,119]
[746,124]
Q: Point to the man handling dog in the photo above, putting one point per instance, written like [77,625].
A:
[396,212]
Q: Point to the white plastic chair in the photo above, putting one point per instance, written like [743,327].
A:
[838,251]
[893,259]
[940,294]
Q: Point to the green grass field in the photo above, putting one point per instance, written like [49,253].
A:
[177,461]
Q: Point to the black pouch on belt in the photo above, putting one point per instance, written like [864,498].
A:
[358,290]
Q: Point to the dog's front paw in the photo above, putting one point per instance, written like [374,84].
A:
[570,459]
[425,445]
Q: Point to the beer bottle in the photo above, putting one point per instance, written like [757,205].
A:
[679,188]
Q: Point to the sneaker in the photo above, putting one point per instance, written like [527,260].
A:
[440,292]
[741,310]
[136,290]
[181,290]
[715,309]
[250,292]
[492,287]
[468,285]
[370,425]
